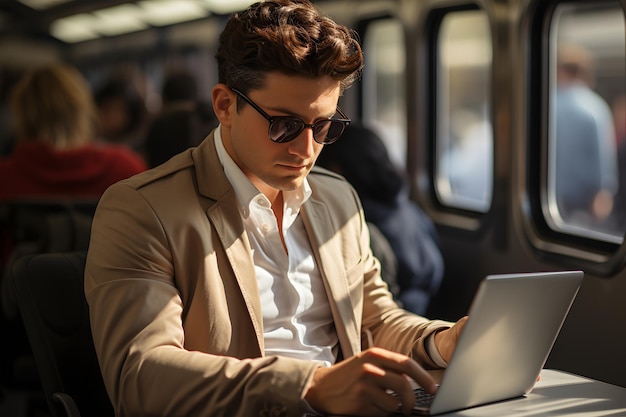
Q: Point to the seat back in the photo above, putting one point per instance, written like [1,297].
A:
[39,225]
[29,225]
[42,225]
[50,295]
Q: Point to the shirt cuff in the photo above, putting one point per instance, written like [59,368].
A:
[433,352]
[310,412]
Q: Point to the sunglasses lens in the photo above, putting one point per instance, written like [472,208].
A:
[285,129]
[329,131]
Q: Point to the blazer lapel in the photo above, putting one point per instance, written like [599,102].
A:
[327,252]
[223,214]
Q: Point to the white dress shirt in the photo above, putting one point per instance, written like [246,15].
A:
[297,320]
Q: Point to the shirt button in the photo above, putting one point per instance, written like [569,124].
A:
[266,228]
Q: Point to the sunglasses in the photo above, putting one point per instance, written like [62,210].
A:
[284,129]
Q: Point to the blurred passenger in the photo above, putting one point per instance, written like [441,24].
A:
[361,157]
[183,122]
[179,89]
[55,153]
[121,109]
[468,165]
[586,175]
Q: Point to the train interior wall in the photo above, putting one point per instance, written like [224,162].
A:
[592,341]
[593,338]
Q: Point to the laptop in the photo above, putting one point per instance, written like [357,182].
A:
[514,320]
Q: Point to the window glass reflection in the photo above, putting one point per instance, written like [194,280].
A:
[464,172]
[384,96]
[586,194]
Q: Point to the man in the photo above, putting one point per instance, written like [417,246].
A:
[233,280]
[183,121]
[585,137]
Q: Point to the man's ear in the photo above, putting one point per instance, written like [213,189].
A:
[224,103]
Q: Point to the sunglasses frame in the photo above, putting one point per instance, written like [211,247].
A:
[345,121]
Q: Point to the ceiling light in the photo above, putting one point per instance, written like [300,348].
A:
[226,6]
[167,12]
[74,29]
[132,17]
[118,20]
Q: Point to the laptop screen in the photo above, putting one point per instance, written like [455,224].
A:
[514,320]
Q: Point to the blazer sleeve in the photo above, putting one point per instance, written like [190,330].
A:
[390,326]
[375,311]
[137,315]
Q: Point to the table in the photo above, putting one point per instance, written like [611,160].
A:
[558,393]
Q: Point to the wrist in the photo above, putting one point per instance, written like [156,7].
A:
[311,397]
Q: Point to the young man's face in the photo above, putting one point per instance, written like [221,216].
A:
[272,166]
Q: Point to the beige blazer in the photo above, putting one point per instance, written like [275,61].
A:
[174,304]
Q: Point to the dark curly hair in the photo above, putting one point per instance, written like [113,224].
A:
[290,37]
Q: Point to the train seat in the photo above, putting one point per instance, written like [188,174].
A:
[50,295]
[42,225]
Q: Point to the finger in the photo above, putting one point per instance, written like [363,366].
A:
[379,402]
[403,391]
[421,377]
[395,384]
[386,389]
[386,401]
[401,364]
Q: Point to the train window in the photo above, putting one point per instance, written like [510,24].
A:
[384,99]
[464,172]
[586,175]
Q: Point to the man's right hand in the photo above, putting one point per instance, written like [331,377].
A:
[362,384]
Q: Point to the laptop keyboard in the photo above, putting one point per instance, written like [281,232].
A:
[422,399]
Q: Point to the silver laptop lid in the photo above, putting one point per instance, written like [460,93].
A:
[513,323]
